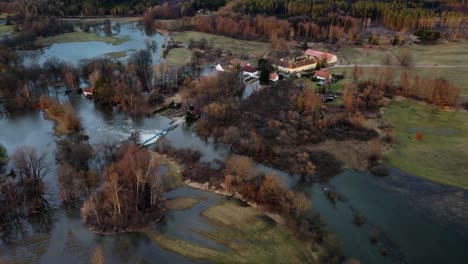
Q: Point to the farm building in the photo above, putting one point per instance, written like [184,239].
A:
[88,91]
[319,55]
[323,75]
[294,65]
[249,71]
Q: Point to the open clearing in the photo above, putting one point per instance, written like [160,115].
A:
[448,61]
[250,48]
[178,57]
[246,233]
[81,37]
[442,156]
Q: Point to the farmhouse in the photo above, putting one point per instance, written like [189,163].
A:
[88,91]
[274,77]
[323,75]
[319,55]
[294,65]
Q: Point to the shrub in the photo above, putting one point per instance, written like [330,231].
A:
[3,156]
[426,35]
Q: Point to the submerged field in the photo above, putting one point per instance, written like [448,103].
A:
[251,48]
[248,236]
[82,37]
[442,156]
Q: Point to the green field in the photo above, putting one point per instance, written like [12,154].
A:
[442,156]
[247,235]
[449,61]
[423,55]
[251,48]
[178,57]
[81,37]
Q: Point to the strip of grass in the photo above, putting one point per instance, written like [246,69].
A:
[117,54]
[81,37]
[180,203]
[442,156]
[178,57]
[249,237]
[252,48]
[6,29]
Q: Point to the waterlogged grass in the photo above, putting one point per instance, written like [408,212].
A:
[442,156]
[180,203]
[173,174]
[251,48]
[117,54]
[81,37]
[248,236]
[178,57]
[6,29]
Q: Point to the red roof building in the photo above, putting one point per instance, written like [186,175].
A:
[322,75]
[331,58]
[248,68]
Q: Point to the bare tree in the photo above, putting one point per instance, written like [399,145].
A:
[30,164]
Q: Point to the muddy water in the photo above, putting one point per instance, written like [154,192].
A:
[392,204]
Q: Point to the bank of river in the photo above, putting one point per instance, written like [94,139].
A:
[388,203]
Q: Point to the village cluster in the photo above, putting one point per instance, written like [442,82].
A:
[312,64]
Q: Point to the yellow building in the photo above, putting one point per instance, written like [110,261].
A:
[295,65]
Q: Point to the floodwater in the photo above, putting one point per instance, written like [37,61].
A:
[75,52]
[400,205]
[415,235]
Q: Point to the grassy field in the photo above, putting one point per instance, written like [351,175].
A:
[458,76]
[178,57]
[251,48]
[180,203]
[455,56]
[81,37]
[247,235]
[423,55]
[442,156]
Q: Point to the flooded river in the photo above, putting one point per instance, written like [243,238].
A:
[420,237]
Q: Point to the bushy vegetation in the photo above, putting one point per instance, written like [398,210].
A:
[131,193]
[23,192]
[67,121]
[3,156]
[277,126]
